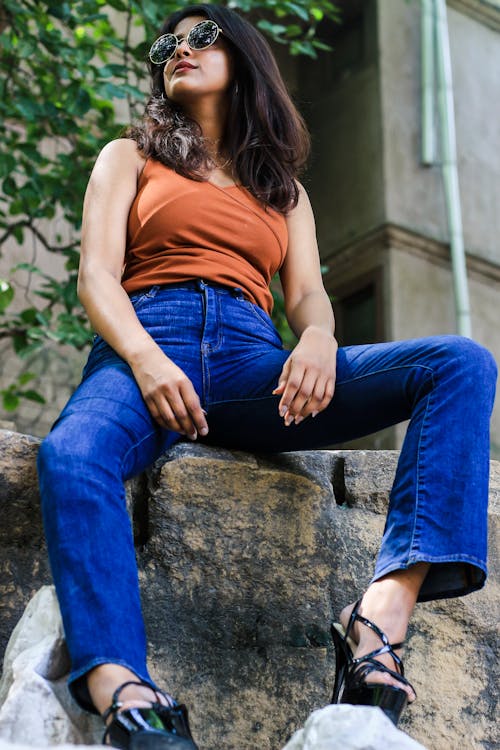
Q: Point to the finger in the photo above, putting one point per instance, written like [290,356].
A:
[163,414]
[297,410]
[292,387]
[192,404]
[282,407]
[321,405]
[183,416]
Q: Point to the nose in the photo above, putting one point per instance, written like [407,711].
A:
[182,48]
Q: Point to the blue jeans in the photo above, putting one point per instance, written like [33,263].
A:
[232,353]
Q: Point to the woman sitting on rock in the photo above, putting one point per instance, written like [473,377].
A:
[186,220]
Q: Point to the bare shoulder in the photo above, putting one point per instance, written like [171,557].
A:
[121,155]
[303,207]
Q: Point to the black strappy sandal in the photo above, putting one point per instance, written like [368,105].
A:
[351,684]
[157,727]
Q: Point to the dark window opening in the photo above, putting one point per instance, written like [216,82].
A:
[358,312]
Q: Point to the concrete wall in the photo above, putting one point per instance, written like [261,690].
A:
[431,310]
[413,193]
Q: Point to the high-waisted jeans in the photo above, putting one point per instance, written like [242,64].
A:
[233,355]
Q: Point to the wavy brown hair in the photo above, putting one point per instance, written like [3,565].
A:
[265,136]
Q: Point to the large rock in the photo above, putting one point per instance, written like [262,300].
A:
[23,559]
[245,560]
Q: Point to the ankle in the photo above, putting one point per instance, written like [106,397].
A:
[389,603]
[103,681]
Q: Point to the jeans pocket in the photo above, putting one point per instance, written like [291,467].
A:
[263,317]
[138,299]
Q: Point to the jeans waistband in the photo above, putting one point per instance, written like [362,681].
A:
[197,285]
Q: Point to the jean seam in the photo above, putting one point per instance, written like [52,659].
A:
[96,411]
[384,370]
[135,446]
[419,473]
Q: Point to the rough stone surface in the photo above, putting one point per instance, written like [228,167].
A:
[36,708]
[244,561]
[350,728]
[23,559]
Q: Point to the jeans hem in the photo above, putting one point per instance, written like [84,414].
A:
[78,687]
[466,574]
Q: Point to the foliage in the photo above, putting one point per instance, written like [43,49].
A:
[64,69]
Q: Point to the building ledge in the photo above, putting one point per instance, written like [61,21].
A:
[365,252]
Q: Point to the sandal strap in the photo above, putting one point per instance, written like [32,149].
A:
[366,665]
[387,648]
[117,704]
[383,650]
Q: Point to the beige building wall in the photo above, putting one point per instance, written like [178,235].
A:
[413,193]
[381,213]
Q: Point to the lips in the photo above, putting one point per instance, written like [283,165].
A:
[183,66]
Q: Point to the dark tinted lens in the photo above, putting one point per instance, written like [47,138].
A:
[202,35]
[162,49]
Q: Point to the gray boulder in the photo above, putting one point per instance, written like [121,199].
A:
[350,728]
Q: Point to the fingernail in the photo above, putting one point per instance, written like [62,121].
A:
[283,411]
[299,419]
[204,412]
[314,414]
[193,435]
[289,420]
[204,431]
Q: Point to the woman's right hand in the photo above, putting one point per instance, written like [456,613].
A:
[169,394]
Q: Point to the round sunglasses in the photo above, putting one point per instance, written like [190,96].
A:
[201,36]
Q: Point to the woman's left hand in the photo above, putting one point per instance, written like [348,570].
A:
[307,381]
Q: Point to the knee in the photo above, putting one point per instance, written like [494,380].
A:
[55,462]
[472,361]
[68,448]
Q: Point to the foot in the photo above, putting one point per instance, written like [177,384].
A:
[393,624]
[106,678]
[139,696]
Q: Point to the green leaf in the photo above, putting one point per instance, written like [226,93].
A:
[18,234]
[6,295]
[274,29]
[10,400]
[25,377]
[321,45]
[33,396]
[9,186]
[317,14]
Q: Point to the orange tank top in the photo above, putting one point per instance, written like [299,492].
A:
[180,229]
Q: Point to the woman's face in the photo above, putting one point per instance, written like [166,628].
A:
[193,72]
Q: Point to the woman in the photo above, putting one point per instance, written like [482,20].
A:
[185,223]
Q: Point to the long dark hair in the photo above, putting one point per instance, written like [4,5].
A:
[265,137]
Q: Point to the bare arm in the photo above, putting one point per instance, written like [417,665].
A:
[168,393]
[307,382]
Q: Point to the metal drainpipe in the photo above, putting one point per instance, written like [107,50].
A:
[448,147]
[428,144]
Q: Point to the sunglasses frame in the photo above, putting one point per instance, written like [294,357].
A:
[179,40]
